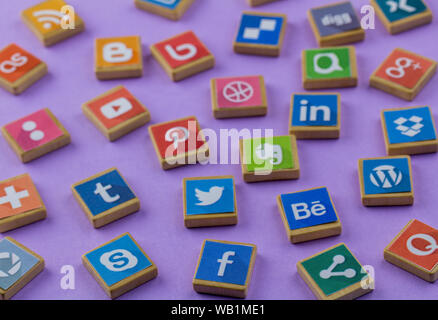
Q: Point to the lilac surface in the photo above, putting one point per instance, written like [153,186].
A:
[67,234]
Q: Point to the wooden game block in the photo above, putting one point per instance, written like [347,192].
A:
[340,72]
[402,17]
[350,281]
[116,113]
[182,56]
[179,142]
[335,24]
[264,40]
[35,135]
[105,197]
[25,266]
[52,21]
[414,250]
[409,130]
[228,279]
[117,278]
[19,69]
[403,74]
[308,215]
[209,201]
[118,58]
[269,158]
[234,97]
[255,3]
[315,115]
[386,181]
[20,203]
[172,10]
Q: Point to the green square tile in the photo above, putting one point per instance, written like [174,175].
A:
[273,153]
[334,270]
[329,63]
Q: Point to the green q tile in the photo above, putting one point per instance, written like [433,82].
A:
[332,63]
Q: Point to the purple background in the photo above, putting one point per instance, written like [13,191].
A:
[158,227]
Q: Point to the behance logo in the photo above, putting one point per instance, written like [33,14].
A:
[386,176]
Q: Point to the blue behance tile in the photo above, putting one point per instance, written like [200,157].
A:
[308,208]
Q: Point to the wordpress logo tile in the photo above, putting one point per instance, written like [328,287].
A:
[14,263]
[225,262]
[308,208]
[209,196]
[104,192]
[335,19]
[259,29]
[390,175]
[170,4]
[315,110]
[118,260]
[409,125]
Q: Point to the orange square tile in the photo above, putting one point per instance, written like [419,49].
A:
[118,57]
[19,69]
[53,21]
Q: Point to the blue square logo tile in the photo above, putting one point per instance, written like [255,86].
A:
[409,125]
[256,29]
[390,175]
[104,192]
[209,196]
[308,208]
[14,263]
[395,10]
[224,262]
[118,260]
[315,110]
[335,19]
[170,4]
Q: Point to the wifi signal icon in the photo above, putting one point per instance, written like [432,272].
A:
[49,17]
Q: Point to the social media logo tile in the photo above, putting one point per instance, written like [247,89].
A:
[391,175]
[116,107]
[118,260]
[182,49]
[209,196]
[418,243]
[258,29]
[334,270]
[404,68]
[308,208]
[268,153]
[239,92]
[104,192]
[335,19]
[34,130]
[16,62]
[177,137]
[315,110]
[18,195]
[49,16]
[170,4]
[395,10]
[330,63]
[14,263]
[224,262]
[409,125]
[119,51]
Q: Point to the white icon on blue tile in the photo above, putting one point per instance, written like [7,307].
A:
[260,29]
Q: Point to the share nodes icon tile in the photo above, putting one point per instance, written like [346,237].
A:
[335,274]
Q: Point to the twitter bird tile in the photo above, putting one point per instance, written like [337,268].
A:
[209,201]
